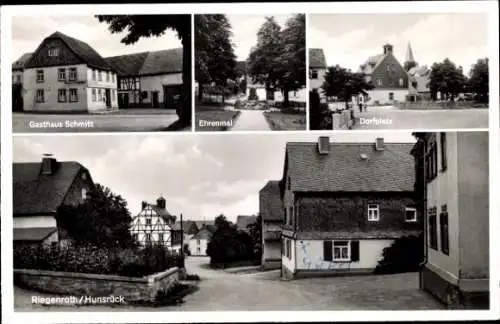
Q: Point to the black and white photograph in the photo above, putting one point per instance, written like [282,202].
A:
[354,221]
[101,73]
[250,72]
[398,71]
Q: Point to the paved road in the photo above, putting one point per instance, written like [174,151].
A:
[251,120]
[61,123]
[225,291]
[265,291]
[423,119]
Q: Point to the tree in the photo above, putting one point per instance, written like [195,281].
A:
[215,60]
[344,84]
[293,59]
[478,82]
[255,230]
[103,219]
[408,65]
[447,79]
[264,61]
[138,26]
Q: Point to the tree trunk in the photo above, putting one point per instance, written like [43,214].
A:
[286,99]
[184,111]
[200,92]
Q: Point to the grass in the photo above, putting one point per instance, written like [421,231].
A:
[279,121]
[214,115]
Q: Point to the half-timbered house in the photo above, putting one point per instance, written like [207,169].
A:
[149,79]
[154,226]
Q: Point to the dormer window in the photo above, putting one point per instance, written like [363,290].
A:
[39,76]
[53,51]
[314,74]
[84,193]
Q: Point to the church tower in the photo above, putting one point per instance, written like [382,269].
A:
[409,59]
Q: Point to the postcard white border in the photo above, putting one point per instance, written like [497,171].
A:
[9,316]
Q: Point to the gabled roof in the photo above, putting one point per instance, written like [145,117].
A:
[81,49]
[202,223]
[147,63]
[20,63]
[374,61]
[37,193]
[34,234]
[270,203]
[242,222]
[317,58]
[343,169]
[204,233]
[189,227]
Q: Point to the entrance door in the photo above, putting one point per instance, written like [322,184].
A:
[123,100]
[154,99]
[108,98]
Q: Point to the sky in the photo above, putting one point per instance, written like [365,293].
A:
[245,28]
[349,39]
[200,176]
[28,34]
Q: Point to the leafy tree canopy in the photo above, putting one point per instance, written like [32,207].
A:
[344,84]
[446,78]
[478,82]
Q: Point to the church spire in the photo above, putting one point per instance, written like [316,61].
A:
[409,54]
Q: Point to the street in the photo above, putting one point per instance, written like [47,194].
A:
[251,120]
[79,123]
[387,117]
[264,291]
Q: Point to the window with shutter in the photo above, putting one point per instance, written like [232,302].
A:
[327,251]
[354,251]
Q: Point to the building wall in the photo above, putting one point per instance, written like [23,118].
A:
[288,264]
[34,221]
[17,76]
[101,86]
[272,250]
[318,82]
[310,255]
[444,190]
[473,204]
[382,96]
[75,194]
[198,247]
[390,79]
[334,212]
[156,83]
[158,226]
[51,85]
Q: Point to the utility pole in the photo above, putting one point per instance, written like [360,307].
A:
[182,239]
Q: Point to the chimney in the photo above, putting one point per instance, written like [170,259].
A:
[324,145]
[387,48]
[144,205]
[48,164]
[379,144]
[161,203]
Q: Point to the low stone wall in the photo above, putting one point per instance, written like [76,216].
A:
[94,285]
[438,105]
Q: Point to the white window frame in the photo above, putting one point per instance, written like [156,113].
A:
[61,98]
[373,212]
[84,193]
[54,51]
[414,210]
[341,247]
[71,97]
[149,221]
[61,74]
[94,72]
[72,74]
[379,82]
[99,75]
[40,95]
[40,77]
[313,73]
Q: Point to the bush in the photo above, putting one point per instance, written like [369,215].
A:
[97,260]
[404,255]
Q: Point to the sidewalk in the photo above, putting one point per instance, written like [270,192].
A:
[251,120]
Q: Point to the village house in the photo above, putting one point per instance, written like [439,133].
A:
[66,74]
[388,77]
[454,178]
[149,79]
[39,189]
[198,244]
[317,69]
[242,222]
[17,81]
[188,228]
[271,212]
[154,226]
[344,203]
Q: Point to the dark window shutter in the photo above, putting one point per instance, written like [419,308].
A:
[327,251]
[355,251]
